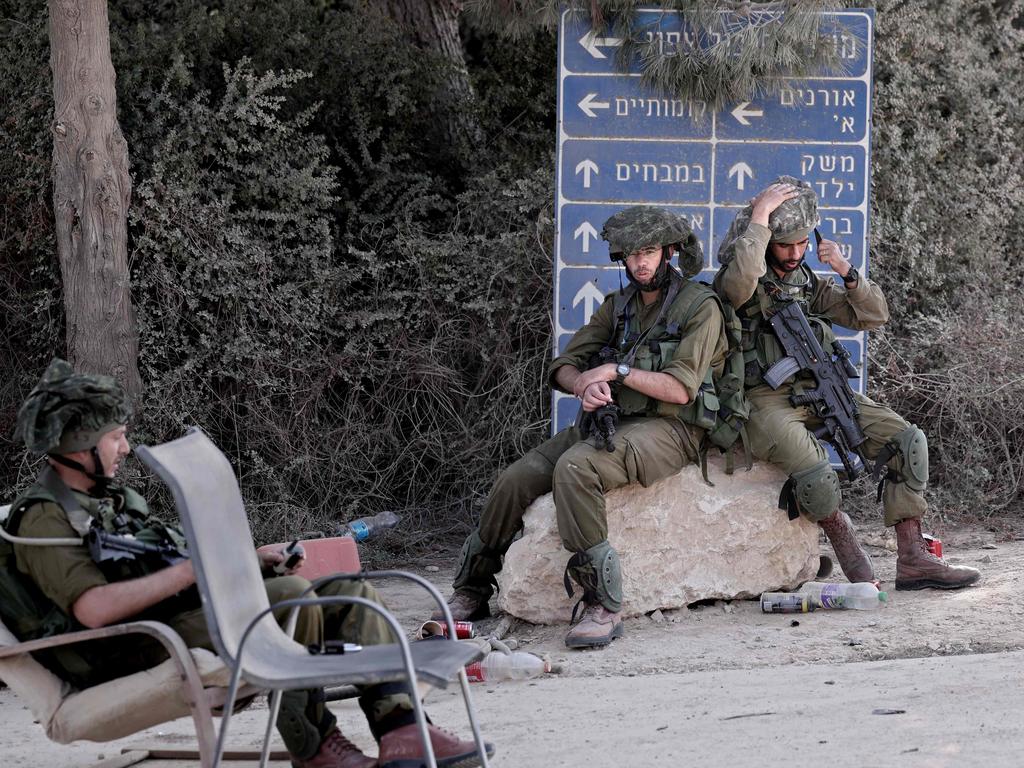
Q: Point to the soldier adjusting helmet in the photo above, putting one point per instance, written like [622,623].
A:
[795,219]
[791,222]
[640,226]
[68,412]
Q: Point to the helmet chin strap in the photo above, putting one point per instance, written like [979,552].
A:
[98,476]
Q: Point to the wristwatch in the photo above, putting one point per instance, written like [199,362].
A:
[852,277]
[621,372]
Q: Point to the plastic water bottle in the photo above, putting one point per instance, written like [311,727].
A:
[861,596]
[365,527]
[787,602]
[517,665]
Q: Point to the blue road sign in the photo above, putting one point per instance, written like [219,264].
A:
[636,171]
[620,144]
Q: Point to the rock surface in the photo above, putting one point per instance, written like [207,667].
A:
[680,541]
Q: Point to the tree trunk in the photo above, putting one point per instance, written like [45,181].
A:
[91,190]
[434,26]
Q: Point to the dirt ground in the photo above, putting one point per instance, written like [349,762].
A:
[709,684]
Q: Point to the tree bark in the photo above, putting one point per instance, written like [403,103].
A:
[434,26]
[91,191]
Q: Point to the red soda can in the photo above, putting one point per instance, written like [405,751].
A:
[934,545]
[463,629]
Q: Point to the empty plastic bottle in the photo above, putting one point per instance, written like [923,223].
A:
[861,596]
[517,665]
[787,602]
[365,527]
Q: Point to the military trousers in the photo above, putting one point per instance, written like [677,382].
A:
[579,474]
[780,432]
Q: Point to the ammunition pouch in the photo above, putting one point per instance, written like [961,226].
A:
[814,492]
[598,571]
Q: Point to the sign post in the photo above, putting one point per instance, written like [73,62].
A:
[620,144]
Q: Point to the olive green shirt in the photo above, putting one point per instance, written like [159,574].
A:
[63,574]
[862,308]
[703,343]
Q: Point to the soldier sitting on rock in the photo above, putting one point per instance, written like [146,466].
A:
[79,422]
[650,350]
[763,267]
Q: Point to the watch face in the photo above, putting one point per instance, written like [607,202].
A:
[622,369]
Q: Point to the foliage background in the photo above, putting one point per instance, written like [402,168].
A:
[362,322]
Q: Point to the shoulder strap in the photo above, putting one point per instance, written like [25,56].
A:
[47,487]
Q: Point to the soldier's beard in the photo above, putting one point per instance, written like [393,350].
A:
[658,281]
[783,266]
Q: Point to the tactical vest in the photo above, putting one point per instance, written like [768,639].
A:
[720,407]
[760,346]
[29,614]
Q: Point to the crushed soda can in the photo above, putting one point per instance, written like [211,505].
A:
[934,545]
[463,630]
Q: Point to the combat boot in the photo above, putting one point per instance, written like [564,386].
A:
[854,561]
[596,628]
[465,605]
[403,747]
[917,568]
[336,752]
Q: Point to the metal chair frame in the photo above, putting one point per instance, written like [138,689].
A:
[195,460]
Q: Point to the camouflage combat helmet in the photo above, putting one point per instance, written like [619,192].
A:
[640,226]
[791,222]
[68,412]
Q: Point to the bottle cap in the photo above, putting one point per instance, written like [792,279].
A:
[883,596]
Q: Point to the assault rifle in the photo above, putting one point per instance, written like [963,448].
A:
[601,424]
[105,546]
[832,399]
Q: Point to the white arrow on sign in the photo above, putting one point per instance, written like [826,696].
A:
[592,297]
[741,113]
[593,44]
[741,171]
[587,167]
[586,231]
[588,105]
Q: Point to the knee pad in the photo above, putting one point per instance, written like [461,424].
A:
[913,445]
[813,492]
[598,571]
[477,565]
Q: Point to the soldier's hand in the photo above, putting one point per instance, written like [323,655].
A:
[830,255]
[596,395]
[269,559]
[602,373]
[770,198]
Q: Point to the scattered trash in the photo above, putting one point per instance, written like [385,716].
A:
[888,711]
[431,568]
[861,596]
[854,641]
[794,623]
[657,616]
[830,682]
[514,665]
[989,546]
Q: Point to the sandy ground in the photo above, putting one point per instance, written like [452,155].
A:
[933,679]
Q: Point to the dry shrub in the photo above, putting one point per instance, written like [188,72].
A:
[963,383]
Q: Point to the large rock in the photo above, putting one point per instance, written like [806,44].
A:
[680,541]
